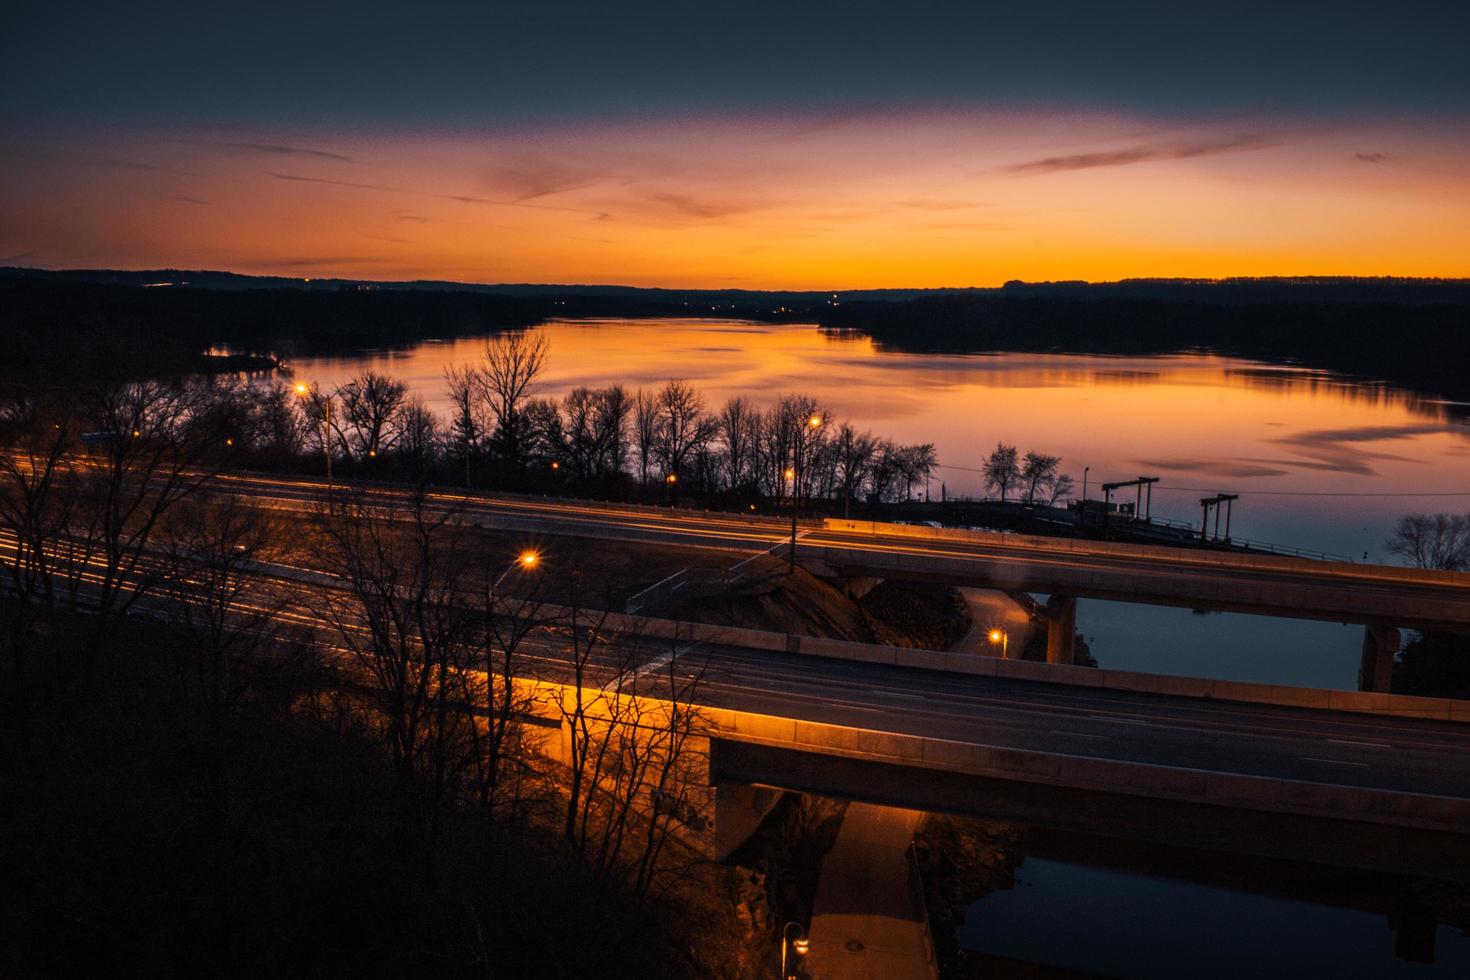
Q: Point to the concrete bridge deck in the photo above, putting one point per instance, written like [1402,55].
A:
[1379,595]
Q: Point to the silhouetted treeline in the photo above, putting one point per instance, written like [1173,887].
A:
[1414,333]
[1420,345]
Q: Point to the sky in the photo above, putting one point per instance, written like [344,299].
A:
[710,144]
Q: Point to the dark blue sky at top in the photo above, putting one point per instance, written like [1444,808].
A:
[398,65]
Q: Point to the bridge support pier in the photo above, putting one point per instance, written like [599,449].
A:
[739,810]
[1061,628]
[1375,673]
[857,586]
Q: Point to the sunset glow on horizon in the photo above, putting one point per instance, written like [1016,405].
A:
[775,201]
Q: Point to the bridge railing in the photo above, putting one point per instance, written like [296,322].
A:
[700,582]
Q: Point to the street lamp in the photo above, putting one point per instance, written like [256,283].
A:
[813,423]
[305,390]
[999,635]
[526,560]
[800,944]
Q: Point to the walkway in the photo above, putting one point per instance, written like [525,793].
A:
[868,922]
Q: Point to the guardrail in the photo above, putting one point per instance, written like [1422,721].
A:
[921,904]
[1234,541]
[703,582]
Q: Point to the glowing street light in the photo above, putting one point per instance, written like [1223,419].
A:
[304,391]
[1000,636]
[526,561]
[814,422]
[800,943]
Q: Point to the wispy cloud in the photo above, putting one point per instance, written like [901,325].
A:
[1374,157]
[1140,153]
[533,179]
[282,150]
[458,198]
[1213,467]
[187,199]
[696,207]
[339,183]
[316,262]
[103,160]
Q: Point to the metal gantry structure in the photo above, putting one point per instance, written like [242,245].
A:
[1206,503]
[1143,508]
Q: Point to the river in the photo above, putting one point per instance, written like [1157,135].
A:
[1320,461]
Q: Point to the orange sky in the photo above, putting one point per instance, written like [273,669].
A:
[851,201]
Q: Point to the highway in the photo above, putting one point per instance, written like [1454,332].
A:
[1356,751]
[1307,745]
[1194,578]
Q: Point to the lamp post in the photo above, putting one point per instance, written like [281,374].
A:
[527,559]
[800,944]
[304,391]
[1082,506]
[1003,637]
[812,425]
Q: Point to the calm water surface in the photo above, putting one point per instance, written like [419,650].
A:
[1320,462]
[1126,924]
[1311,455]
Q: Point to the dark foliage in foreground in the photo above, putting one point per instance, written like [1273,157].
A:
[148,834]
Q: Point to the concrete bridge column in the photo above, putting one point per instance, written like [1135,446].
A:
[1061,628]
[739,810]
[1375,673]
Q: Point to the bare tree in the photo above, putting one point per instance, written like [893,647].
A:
[507,376]
[736,431]
[233,616]
[369,423]
[396,615]
[1060,489]
[156,443]
[854,461]
[418,436]
[1001,469]
[493,684]
[1038,472]
[1432,541]
[582,435]
[645,431]
[466,430]
[634,753]
[39,432]
[612,410]
[683,426]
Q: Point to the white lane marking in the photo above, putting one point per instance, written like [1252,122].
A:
[660,662]
[1059,731]
[1371,745]
[1334,762]
[896,694]
[851,707]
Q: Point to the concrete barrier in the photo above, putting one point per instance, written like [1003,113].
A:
[1245,692]
[1105,775]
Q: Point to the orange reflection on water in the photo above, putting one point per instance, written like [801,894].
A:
[1215,419]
